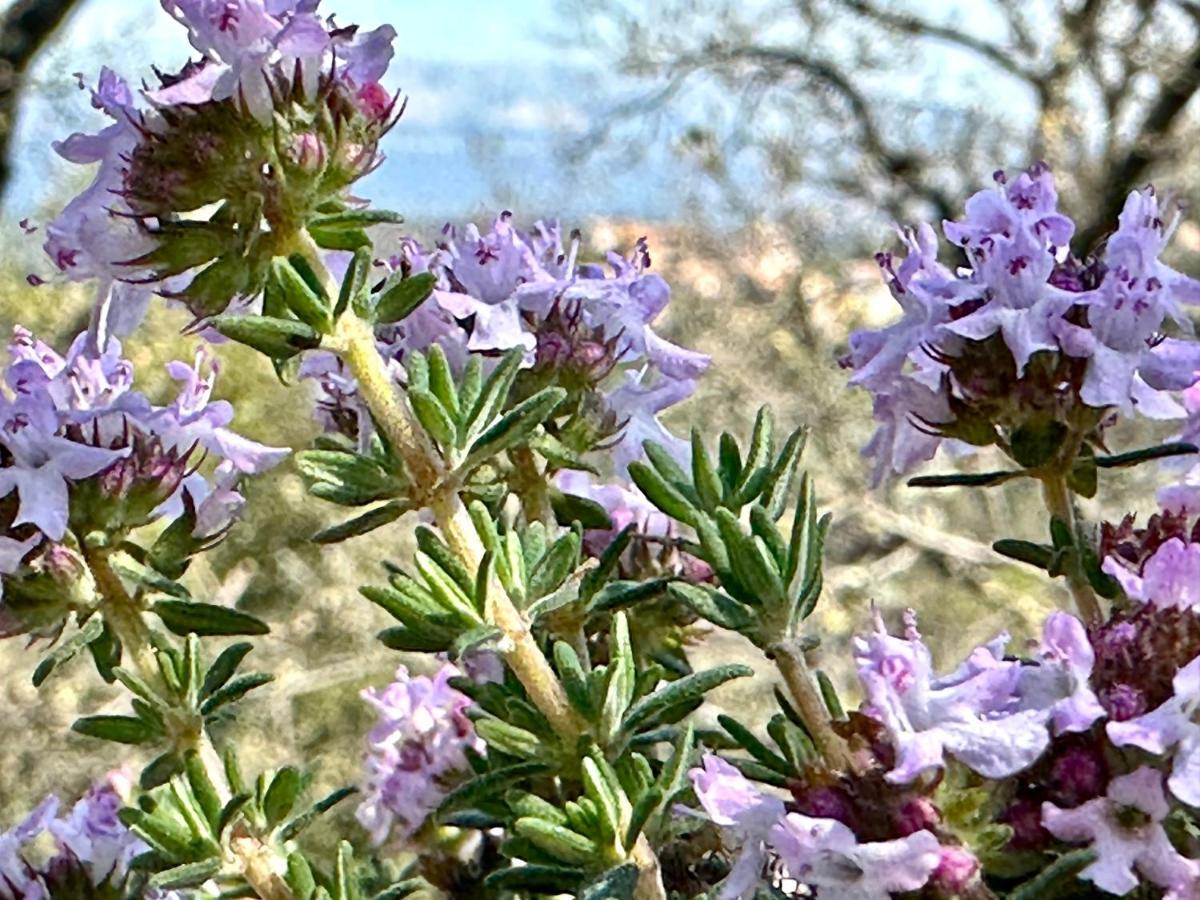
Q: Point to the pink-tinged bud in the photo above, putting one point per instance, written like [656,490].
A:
[917,814]
[63,564]
[374,101]
[307,152]
[957,868]
[1123,702]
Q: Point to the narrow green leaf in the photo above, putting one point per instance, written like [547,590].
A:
[308,305]
[183,617]
[401,296]
[277,338]
[322,806]
[363,524]
[356,289]
[756,748]
[687,690]
[515,427]
[434,417]
[662,494]
[118,729]
[66,650]
[488,786]
[235,690]
[188,875]
[282,794]
[562,843]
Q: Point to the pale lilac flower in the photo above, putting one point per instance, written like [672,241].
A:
[42,466]
[194,418]
[730,800]
[414,753]
[12,552]
[826,855]
[638,401]
[1058,683]
[1168,579]
[1175,725]
[1131,850]
[1028,203]
[96,233]
[92,835]
[973,714]
[18,879]
[907,415]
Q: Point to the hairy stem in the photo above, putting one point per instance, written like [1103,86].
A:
[532,488]
[121,613]
[1058,502]
[789,658]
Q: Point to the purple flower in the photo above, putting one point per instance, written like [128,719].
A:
[194,418]
[625,507]
[1029,204]
[1168,579]
[730,800]
[826,855]
[1125,829]
[414,753]
[96,233]
[907,415]
[1173,725]
[638,401]
[91,834]
[18,879]
[42,465]
[1059,683]
[973,713]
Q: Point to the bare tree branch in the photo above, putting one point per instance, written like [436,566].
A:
[24,28]
[1149,147]
[917,27]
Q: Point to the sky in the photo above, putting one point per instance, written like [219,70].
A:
[493,98]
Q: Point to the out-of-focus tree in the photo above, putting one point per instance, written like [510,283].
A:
[901,108]
[25,26]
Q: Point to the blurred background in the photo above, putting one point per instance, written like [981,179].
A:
[765,147]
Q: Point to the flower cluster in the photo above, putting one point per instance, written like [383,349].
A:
[1026,335]
[81,451]
[93,847]
[583,329]
[281,114]
[415,753]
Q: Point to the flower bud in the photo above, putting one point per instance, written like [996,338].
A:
[957,868]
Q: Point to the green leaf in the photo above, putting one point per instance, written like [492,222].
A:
[340,238]
[441,382]
[346,478]
[778,486]
[322,806]
[277,338]
[729,465]
[562,843]
[534,877]
[206,619]
[713,605]
[282,794]
[762,448]
[574,679]
[188,875]
[964,479]
[1058,874]
[356,218]
[88,632]
[662,494]
[829,694]
[515,427]
[401,296]
[299,876]
[118,729]
[234,691]
[203,789]
[433,417]
[224,666]
[363,524]
[488,786]
[474,639]
[645,807]
[688,690]
[555,566]
[615,884]
[356,289]
[510,739]
[409,640]
[756,748]
[308,305]
[1083,477]
[570,508]
[622,594]
[1036,443]
[1038,555]
[494,394]
[1137,457]
[707,482]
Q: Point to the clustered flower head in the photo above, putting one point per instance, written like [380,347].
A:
[81,450]
[1026,335]
[416,752]
[280,115]
[92,846]
[580,327]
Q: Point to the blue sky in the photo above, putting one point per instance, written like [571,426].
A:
[492,96]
